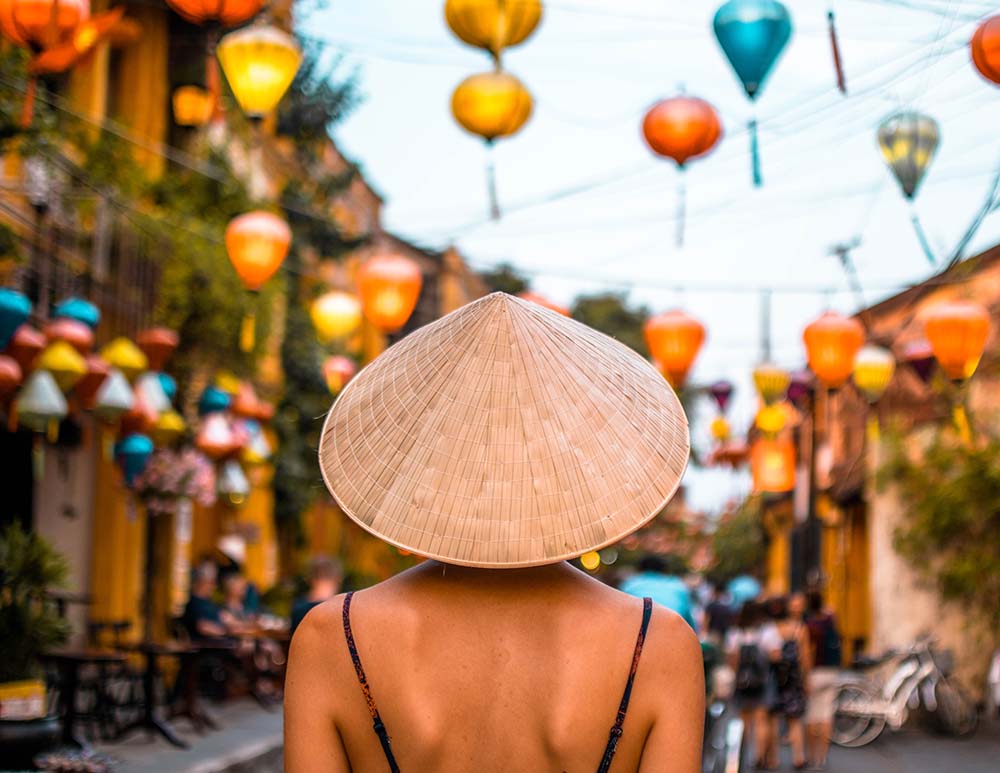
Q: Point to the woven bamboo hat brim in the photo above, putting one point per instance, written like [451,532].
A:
[504,435]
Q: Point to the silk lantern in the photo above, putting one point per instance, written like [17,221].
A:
[771,381]
[720,429]
[64,363]
[337,371]
[771,419]
[957,334]
[157,343]
[192,106]
[141,417]
[245,402]
[227,13]
[72,331]
[124,355]
[40,405]
[985,49]
[10,376]
[114,397]
[87,387]
[25,346]
[908,141]
[149,386]
[213,400]
[260,62]
[169,385]
[389,286]
[721,391]
[920,357]
[772,465]
[169,428]
[14,311]
[492,25]
[215,436]
[132,453]
[832,341]
[874,367]
[335,315]
[78,309]
[233,484]
[674,339]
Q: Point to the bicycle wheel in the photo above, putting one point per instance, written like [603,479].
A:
[854,724]
[956,715]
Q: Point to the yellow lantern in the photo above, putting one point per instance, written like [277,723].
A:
[771,381]
[772,465]
[65,364]
[260,63]
[493,25]
[491,105]
[771,419]
[126,357]
[720,429]
[169,428]
[335,314]
[873,369]
[193,106]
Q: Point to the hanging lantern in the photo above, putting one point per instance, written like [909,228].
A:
[227,13]
[985,49]
[245,402]
[132,453]
[10,376]
[40,405]
[78,309]
[193,106]
[492,25]
[908,141]
[771,381]
[228,382]
[265,411]
[800,387]
[752,35]
[771,419]
[335,315]
[168,384]
[114,397]
[73,332]
[920,356]
[674,340]
[233,484]
[389,286]
[257,243]
[169,428]
[213,400]
[257,449]
[87,387]
[41,24]
[832,341]
[25,346]
[541,300]
[873,370]
[126,357]
[64,363]
[149,387]
[772,465]
[157,343]
[142,416]
[957,334]
[492,105]
[260,62]
[337,371]
[721,391]
[14,310]
[215,436]
[720,429]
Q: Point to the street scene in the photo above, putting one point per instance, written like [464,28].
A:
[592,350]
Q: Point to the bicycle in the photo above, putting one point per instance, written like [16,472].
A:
[865,706]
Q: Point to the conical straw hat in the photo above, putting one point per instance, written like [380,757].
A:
[504,435]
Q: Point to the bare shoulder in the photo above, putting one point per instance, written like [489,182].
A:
[318,654]
[672,653]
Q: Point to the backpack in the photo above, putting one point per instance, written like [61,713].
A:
[787,669]
[751,673]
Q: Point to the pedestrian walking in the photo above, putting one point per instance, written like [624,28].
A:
[788,645]
[751,665]
[825,644]
[498,442]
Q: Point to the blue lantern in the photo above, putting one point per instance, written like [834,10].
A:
[78,309]
[132,453]
[14,310]
[213,400]
[752,35]
[169,385]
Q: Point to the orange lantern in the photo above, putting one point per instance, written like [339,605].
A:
[25,346]
[541,300]
[192,105]
[41,24]
[157,343]
[772,465]
[227,13]
[957,334]
[257,243]
[985,49]
[389,286]
[245,404]
[832,341]
[674,339]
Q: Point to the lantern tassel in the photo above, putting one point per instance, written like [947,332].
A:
[961,418]
[248,331]
[681,206]
[754,153]
[28,107]
[838,63]
[872,430]
[922,238]
[491,182]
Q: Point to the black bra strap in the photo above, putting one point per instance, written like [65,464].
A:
[380,731]
[616,731]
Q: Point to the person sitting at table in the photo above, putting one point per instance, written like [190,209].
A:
[202,616]
[325,577]
[234,613]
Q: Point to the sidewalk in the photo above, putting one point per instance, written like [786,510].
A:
[248,741]
[914,751]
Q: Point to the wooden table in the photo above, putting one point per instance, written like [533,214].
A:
[69,662]
[151,652]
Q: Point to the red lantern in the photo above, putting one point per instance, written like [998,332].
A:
[10,376]
[338,371]
[772,465]
[957,335]
[831,342]
[674,340]
[985,49]
[157,343]
[227,13]
[681,128]
[541,300]
[389,286]
[86,388]
[72,331]
[25,346]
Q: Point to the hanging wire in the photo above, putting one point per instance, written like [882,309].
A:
[754,153]
[925,245]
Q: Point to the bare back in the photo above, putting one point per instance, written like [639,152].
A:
[493,670]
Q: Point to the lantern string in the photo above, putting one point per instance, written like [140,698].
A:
[491,182]
[754,152]
[961,418]
[838,64]
[248,326]
[28,106]
[922,238]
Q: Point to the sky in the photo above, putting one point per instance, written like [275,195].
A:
[588,208]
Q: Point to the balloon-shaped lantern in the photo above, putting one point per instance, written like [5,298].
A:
[920,357]
[169,385]
[721,391]
[141,418]
[337,371]
[114,397]
[985,49]
[493,25]
[772,465]
[541,300]
[40,406]
[771,381]
[73,332]
[720,429]
[257,243]
[157,343]
[169,428]
[78,309]
[389,286]
[335,315]
[957,334]
[64,363]
[213,400]
[771,419]
[25,346]
[908,141]
[492,105]
[674,339]
[832,341]
[873,370]
[215,436]
[752,35]
[225,13]
[233,484]
[87,387]
[14,310]
[124,355]
[260,62]
[681,128]
[192,106]
[149,386]
[132,453]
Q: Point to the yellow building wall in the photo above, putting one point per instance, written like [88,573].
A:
[256,518]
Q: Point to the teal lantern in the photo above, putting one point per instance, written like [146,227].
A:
[213,400]
[78,309]
[132,453]
[752,35]
[169,385]
[14,310]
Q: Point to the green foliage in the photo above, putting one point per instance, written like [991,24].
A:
[611,314]
[28,624]
[738,542]
[10,245]
[951,524]
[14,69]
[505,279]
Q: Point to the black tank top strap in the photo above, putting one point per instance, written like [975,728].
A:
[616,731]
[380,731]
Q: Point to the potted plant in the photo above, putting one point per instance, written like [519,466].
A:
[29,625]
